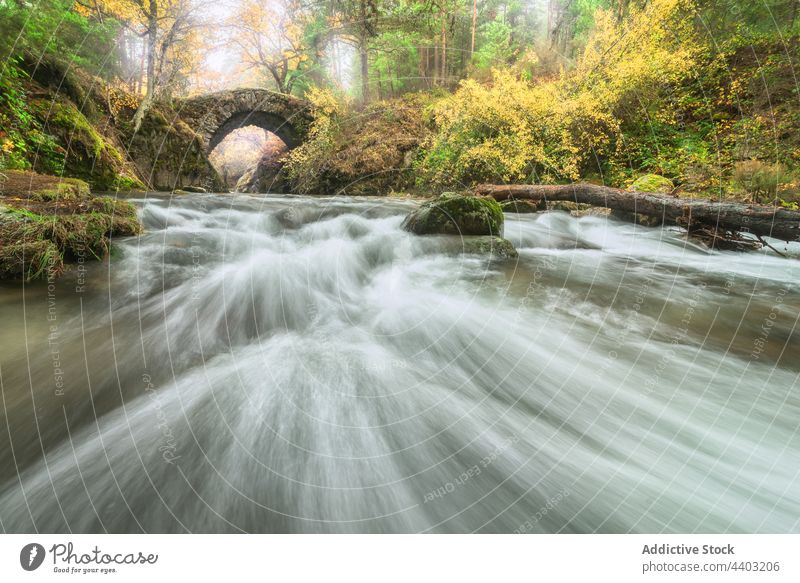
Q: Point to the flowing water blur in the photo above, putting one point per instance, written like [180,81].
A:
[289,364]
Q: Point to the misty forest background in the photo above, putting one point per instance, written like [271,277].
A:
[683,96]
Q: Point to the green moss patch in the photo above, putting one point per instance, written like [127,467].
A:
[653,183]
[89,155]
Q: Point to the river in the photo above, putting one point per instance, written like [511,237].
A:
[291,364]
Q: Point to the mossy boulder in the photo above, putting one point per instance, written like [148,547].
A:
[456,215]
[523,206]
[652,183]
[171,153]
[61,121]
[88,153]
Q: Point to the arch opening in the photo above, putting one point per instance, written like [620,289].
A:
[249,159]
[261,119]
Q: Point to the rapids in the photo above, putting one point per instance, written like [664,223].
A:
[290,364]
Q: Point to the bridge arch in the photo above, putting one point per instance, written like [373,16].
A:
[261,119]
[215,115]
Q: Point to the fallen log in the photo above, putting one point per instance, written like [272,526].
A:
[760,220]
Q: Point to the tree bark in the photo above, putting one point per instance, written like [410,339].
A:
[761,220]
[142,67]
[436,64]
[362,48]
[474,21]
[364,72]
[152,41]
[444,47]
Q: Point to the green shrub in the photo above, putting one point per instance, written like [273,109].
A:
[759,180]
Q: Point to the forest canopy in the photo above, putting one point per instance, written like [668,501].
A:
[461,91]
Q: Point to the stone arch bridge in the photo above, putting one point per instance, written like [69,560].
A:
[215,115]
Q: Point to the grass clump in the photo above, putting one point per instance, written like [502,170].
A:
[56,221]
[30,260]
[67,190]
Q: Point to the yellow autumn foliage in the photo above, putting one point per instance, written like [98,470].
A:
[510,130]
[305,162]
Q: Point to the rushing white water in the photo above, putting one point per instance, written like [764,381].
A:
[288,364]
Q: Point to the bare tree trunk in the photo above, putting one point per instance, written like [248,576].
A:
[444,46]
[474,21]
[142,67]
[436,64]
[364,71]
[362,47]
[337,67]
[123,54]
[422,66]
[760,220]
[152,40]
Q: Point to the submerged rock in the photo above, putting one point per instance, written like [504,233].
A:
[194,189]
[266,176]
[496,247]
[523,206]
[456,215]
[639,219]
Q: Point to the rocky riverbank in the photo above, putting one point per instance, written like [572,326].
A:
[48,222]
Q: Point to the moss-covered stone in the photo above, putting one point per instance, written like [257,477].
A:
[456,215]
[170,153]
[652,183]
[89,155]
[568,206]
